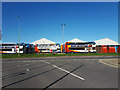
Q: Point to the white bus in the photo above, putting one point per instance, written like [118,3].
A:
[48,48]
[10,48]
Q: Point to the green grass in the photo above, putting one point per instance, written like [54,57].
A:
[52,55]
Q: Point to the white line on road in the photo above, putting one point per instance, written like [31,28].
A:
[46,62]
[28,61]
[28,70]
[101,60]
[18,65]
[26,64]
[65,71]
[68,72]
[33,61]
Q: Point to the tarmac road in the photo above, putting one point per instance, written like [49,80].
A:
[59,72]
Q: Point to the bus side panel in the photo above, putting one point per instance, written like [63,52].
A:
[103,50]
[67,48]
[118,49]
[111,50]
[61,48]
[36,48]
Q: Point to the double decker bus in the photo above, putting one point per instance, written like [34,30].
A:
[47,48]
[10,48]
[83,47]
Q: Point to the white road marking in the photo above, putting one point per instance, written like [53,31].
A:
[28,70]
[46,62]
[107,63]
[65,71]
[26,64]
[40,60]
[93,59]
[86,59]
[28,61]
[33,61]
[18,65]
[68,72]
[52,60]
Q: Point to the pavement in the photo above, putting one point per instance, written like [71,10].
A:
[59,72]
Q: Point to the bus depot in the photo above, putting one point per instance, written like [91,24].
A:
[74,46]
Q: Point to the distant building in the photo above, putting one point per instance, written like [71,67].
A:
[46,46]
[75,40]
[106,46]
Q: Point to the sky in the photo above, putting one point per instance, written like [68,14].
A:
[87,21]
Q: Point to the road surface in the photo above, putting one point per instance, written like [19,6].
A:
[59,72]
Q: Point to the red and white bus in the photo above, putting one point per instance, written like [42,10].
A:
[79,47]
[47,48]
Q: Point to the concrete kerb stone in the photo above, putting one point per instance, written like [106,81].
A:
[52,57]
[110,62]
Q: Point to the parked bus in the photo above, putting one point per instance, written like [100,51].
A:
[47,48]
[84,47]
[28,48]
[11,48]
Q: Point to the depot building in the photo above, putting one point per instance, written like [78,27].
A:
[46,46]
[107,45]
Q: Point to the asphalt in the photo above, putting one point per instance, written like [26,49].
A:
[59,72]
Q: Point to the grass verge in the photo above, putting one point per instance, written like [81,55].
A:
[52,55]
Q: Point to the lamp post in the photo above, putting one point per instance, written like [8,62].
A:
[63,31]
[0,32]
[19,35]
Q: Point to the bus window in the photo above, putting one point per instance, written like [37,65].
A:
[6,49]
[77,48]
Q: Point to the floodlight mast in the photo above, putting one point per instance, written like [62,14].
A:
[19,35]
[63,25]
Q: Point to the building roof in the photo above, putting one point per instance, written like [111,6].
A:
[105,41]
[43,41]
[75,40]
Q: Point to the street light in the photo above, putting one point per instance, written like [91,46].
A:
[63,31]
[1,32]
[19,35]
